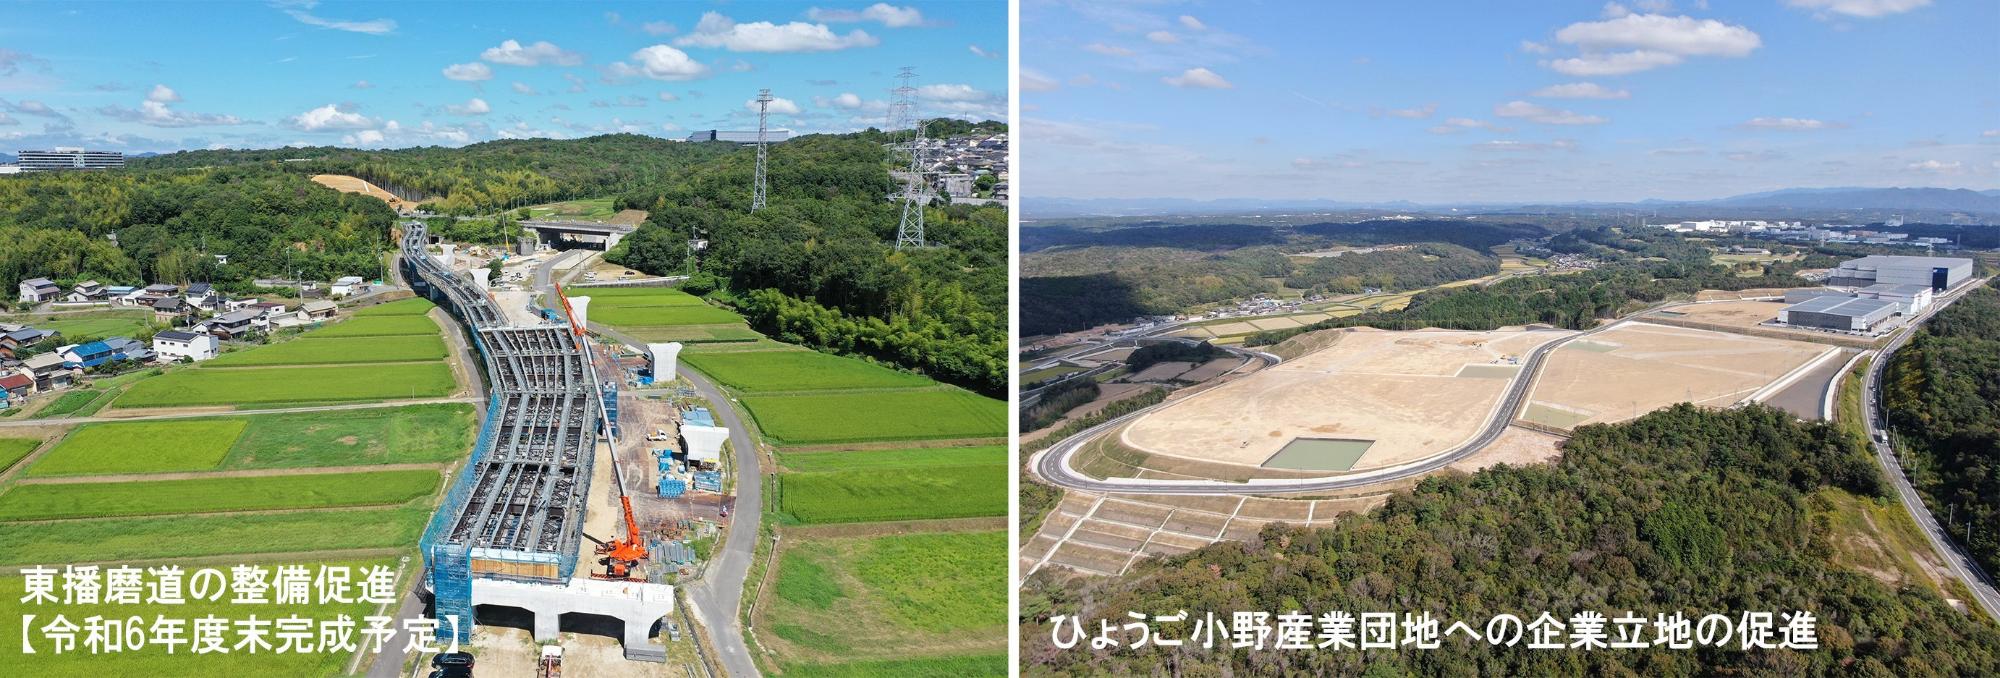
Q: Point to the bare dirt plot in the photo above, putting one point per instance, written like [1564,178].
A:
[1162,371]
[1516,446]
[1731,313]
[1397,389]
[1212,369]
[1648,367]
[348,184]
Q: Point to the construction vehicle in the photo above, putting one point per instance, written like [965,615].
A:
[621,555]
[550,665]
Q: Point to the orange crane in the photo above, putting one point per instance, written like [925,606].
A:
[620,555]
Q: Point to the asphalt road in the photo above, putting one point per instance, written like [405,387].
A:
[719,594]
[1962,565]
[1052,465]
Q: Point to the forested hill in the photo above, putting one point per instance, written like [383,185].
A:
[1943,395]
[1684,510]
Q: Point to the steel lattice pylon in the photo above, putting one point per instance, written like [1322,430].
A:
[763,113]
[916,192]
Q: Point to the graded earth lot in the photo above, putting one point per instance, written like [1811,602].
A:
[1637,367]
[1405,392]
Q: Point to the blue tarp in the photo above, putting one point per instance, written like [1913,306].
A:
[700,416]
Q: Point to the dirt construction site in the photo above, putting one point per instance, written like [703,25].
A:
[1638,367]
[1372,399]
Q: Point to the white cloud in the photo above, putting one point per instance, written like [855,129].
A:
[1032,81]
[1862,8]
[1192,23]
[1456,125]
[1107,50]
[8,120]
[1198,77]
[362,84]
[1581,90]
[1613,10]
[1526,146]
[476,106]
[951,92]
[981,52]
[330,117]
[1794,124]
[155,112]
[668,96]
[848,100]
[881,12]
[1544,114]
[366,137]
[661,62]
[371,27]
[716,30]
[469,72]
[659,28]
[1937,167]
[524,89]
[1163,37]
[512,53]
[1419,113]
[1636,42]
[1534,47]
[779,105]
[1990,133]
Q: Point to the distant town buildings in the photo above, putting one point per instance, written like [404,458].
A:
[64,158]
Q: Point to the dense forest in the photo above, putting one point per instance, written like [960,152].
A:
[1397,269]
[1943,395]
[1683,510]
[132,227]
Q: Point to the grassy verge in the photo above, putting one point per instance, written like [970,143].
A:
[206,495]
[122,539]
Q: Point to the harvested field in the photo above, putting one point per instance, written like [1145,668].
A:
[1640,367]
[198,386]
[1397,389]
[1161,372]
[763,371]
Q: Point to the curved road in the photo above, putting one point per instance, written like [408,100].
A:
[1053,464]
[1962,565]
[719,594]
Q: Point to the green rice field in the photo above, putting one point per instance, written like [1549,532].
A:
[377,326]
[140,447]
[916,457]
[755,371]
[878,494]
[411,306]
[198,386]
[890,598]
[821,419]
[13,450]
[211,495]
[413,434]
[695,334]
[613,297]
[315,349]
[120,323]
[153,537]
[650,316]
[68,403]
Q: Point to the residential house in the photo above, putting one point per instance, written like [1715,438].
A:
[318,310]
[88,355]
[12,342]
[235,324]
[202,296]
[173,345]
[39,290]
[15,385]
[270,309]
[118,293]
[131,349]
[86,291]
[170,310]
[48,371]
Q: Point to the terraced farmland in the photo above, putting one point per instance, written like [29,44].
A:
[763,371]
[862,416]
[204,495]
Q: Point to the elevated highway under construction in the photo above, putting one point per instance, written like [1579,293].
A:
[510,530]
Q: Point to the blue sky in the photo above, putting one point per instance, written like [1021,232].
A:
[1523,100]
[163,76]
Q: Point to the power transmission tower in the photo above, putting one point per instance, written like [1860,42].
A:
[916,194]
[763,112]
[902,101]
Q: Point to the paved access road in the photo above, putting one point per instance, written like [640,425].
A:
[1053,464]
[1962,565]
[719,594]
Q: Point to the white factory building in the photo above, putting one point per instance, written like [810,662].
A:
[1911,297]
[1840,313]
[1938,273]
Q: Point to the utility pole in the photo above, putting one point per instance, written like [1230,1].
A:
[763,114]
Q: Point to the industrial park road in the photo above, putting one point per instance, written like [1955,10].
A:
[1962,565]
[719,594]
[1052,465]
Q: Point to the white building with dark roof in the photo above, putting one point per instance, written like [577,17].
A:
[173,345]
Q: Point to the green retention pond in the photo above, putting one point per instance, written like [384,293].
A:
[1319,454]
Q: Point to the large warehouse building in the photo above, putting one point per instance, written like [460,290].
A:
[1845,314]
[1940,273]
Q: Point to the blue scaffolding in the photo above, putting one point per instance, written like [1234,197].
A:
[451,588]
[450,565]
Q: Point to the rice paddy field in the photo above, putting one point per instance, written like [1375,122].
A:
[764,371]
[154,537]
[113,323]
[652,316]
[862,416]
[12,450]
[140,447]
[208,495]
[313,349]
[410,306]
[154,661]
[914,457]
[377,326]
[279,385]
[879,494]
[924,598]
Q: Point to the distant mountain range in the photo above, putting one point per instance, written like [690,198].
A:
[7,158]
[1846,199]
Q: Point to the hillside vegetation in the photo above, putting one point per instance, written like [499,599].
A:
[1943,395]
